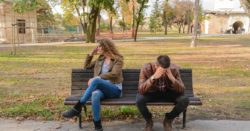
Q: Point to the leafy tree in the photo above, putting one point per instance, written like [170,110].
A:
[139,15]
[188,18]
[45,17]
[246,4]
[183,14]
[122,24]
[168,16]
[95,8]
[59,22]
[90,12]
[134,6]
[126,13]
[155,18]
[143,23]
[70,21]
[98,30]
[76,7]
[179,15]
[112,14]
[22,6]
[104,25]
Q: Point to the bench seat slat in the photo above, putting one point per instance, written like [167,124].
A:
[126,101]
[129,92]
[134,88]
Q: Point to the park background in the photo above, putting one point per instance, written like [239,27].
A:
[39,48]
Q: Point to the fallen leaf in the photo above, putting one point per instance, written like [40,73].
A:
[19,118]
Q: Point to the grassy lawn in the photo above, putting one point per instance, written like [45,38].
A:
[34,83]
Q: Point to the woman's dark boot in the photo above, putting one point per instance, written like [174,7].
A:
[75,111]
[149,125]
[98,125]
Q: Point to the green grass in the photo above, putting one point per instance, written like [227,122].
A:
[122,112]
[48,107]
[35,82]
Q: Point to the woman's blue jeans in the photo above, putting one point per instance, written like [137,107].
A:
[97,90]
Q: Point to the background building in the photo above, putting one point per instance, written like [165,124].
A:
[225,16]
[14,27]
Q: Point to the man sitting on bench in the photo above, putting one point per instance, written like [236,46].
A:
[160,81]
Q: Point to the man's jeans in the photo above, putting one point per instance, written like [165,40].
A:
[99,89]
[181,103]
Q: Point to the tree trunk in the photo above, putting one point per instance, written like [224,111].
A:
[111,25]
[123,26]
[99,25]
[92,24]
[194,36]
[189,22]
[136,29]
[189,25]
[81,21]
[139,19]
[133,22]
[84,17]
[165,23]
[179,27]
[166,30]
[183,28]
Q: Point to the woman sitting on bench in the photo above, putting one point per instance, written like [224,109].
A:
[106,83]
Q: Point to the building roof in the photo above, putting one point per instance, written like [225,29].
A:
[223,6]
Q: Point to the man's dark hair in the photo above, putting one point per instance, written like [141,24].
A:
[163,61]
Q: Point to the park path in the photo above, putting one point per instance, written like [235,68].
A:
[118,40]
[196,125]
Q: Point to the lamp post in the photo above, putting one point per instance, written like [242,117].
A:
[194,35]
[13,40]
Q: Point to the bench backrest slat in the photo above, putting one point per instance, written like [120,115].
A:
[130,84]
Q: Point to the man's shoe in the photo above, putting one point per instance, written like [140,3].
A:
[149,125]
[167,123]
[98,125]
[75,111]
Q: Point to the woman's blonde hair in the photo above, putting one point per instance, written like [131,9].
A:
[109,48]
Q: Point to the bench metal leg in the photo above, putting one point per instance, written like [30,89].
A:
[184,119]
[80,120]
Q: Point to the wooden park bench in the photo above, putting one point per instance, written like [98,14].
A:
[80,78]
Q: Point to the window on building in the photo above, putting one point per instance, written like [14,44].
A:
[21,26]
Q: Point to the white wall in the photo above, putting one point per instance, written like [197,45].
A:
[2,24]
[222,5]
[206,26]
